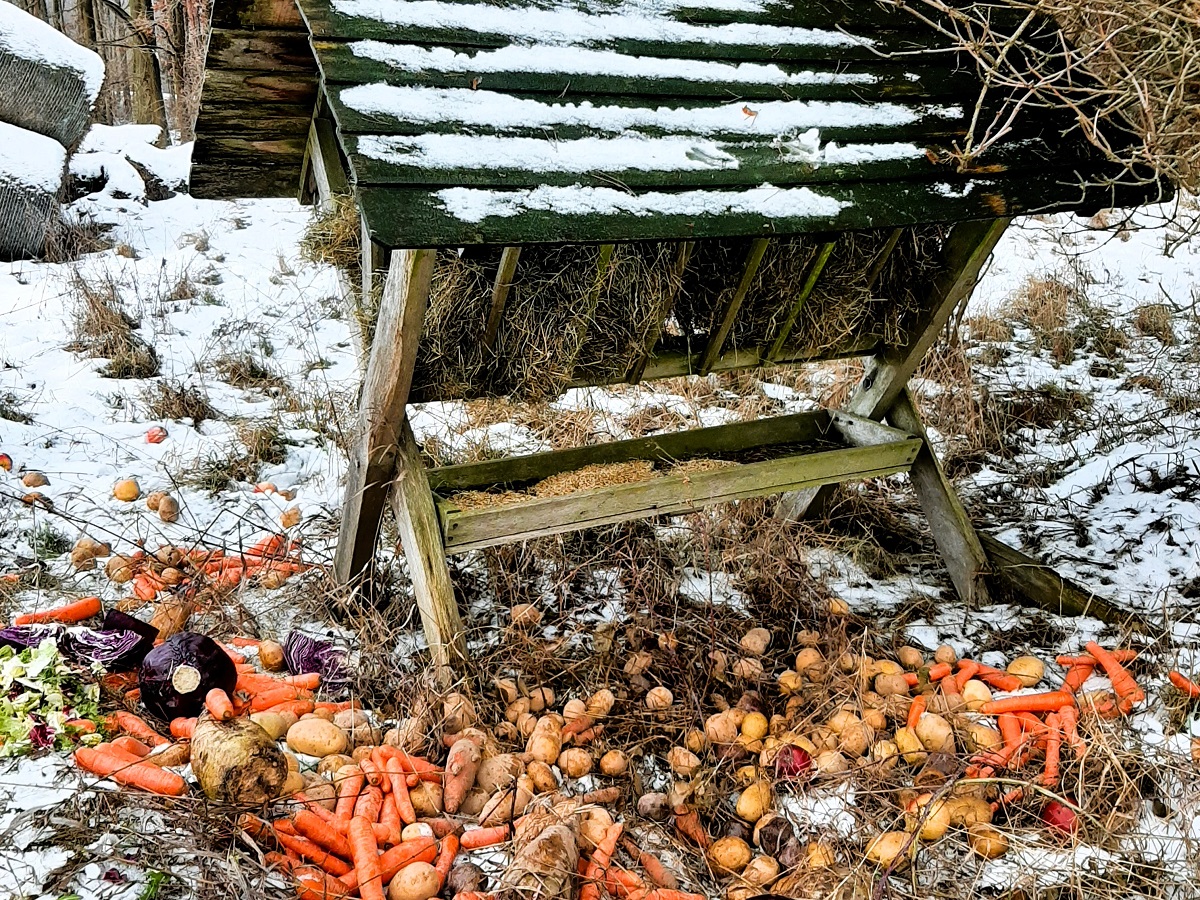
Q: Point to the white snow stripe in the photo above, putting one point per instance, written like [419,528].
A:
[554,60]
[565,25]
[473,205]
[504,111]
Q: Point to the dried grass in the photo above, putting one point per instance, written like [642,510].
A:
[1155,320]
[103,328]
[596,476]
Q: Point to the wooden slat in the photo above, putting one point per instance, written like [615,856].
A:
[862,80]
[254,87]
[881,258]
[250,121]
[682,255]
[227,166]
[323,160]
[271,51]
[1038,583]
[256,14]
[417,218]
[517,471]
[806,288]
[716,340]
[500,288]
[713,41]
[668,494]
[372,461]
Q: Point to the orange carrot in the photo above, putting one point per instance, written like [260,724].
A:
[371,771]
[310,825]
[1010,729]
[314,884]
[64,615]
[245,668]
[389,822]
[1127,690]
[314,807]
[285,693]
[655,870]
[218,704]
[665,894]
[997,678]
[620,882]
[688,824]
[331,863]
[1076,676]
[182,728]
[146,586]
[936,672]
[84,726]
[1049,701]
[461,766]
[483,837]
[404,804]
[308,681]
[366,859]
[965,673]
[1185,684]
[131,745]
[1123,655]
[297,707]
[339,706]
[237,658]
[1068,718]
[445,858]
[1053,750]
[107,764]
[369,804]
[915,709]
[243,643]
[137,726]
[423,768]
[598,867]
[423,849]
[349,789]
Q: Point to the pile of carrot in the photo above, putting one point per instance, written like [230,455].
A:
[1048,721]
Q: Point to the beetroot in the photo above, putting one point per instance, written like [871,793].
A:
[793,763]
[178,673]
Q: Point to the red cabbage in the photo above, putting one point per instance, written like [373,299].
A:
[303,654]
[178,673]
[112,649]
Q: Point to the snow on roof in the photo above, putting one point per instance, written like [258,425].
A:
[505,111]
[555,60]
[30,159]
[475,205]
[28,37]
[566,25]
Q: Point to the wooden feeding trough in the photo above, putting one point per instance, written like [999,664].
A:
[728,185]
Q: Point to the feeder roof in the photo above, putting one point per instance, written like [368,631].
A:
[464,122]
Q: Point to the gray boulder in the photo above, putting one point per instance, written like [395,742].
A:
[32,168]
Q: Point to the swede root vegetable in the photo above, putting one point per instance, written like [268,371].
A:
[237,761]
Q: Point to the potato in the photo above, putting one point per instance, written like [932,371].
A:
[910,746]
[654,807]
[427,799]
[526,725]
[975,693]
[498,772]
[363,751]
[416,881]
[987,841]
[884,755]
[755,726]
[322,792]
[541,699]
[507,689]
[316,737]
[516,709]
[831,762]
[885,849]
[507,804]
[600,704]
[729,855]
[1029,670]
[416,830]
[841,720]
[754,802]
[935,733]
[364,735]
[272,723]
[890,685]
[458,712]
[573,709]
[930,818]
[168,509]
[82,560]
[576,762]
[811,664]
[683,762]
[126,490]
[330,764]
[910,657]
[888,667]
[761,871]
[525,616]
[545,743]
[720,728]
[350,718]
[695,741]
[968,811]
[875,718]
[755,641]
[294,782]
[119,569]
[789,682]
[614,763]
[659,698]
[593,824]
[541,777]
[982,737]
[945,654]
[855,739]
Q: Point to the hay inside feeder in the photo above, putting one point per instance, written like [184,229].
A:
[595,476]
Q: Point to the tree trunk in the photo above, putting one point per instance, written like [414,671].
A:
[145,73]
[85,10]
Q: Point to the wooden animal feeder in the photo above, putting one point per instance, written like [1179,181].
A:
[557,194]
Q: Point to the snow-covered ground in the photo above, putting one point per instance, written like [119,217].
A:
[1107,494]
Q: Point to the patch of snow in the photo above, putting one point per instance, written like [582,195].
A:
[475,205]
[170,165]
[717,588]
[28,37]
[820,809]
[121,180]
[555,60]
[31,159]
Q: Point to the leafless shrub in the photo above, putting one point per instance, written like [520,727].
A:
[103,328]
[176,400]
[1154,320]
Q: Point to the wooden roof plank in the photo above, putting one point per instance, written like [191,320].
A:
[457,217]
[599,73]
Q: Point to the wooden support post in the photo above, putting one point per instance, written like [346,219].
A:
[374,259]
[500,289]
[421,541]
[952,530]
[882,257]
[381,410]
[1038,583]
[967,249]
[682,256]
[323,164]
[716,341]
[810,282]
